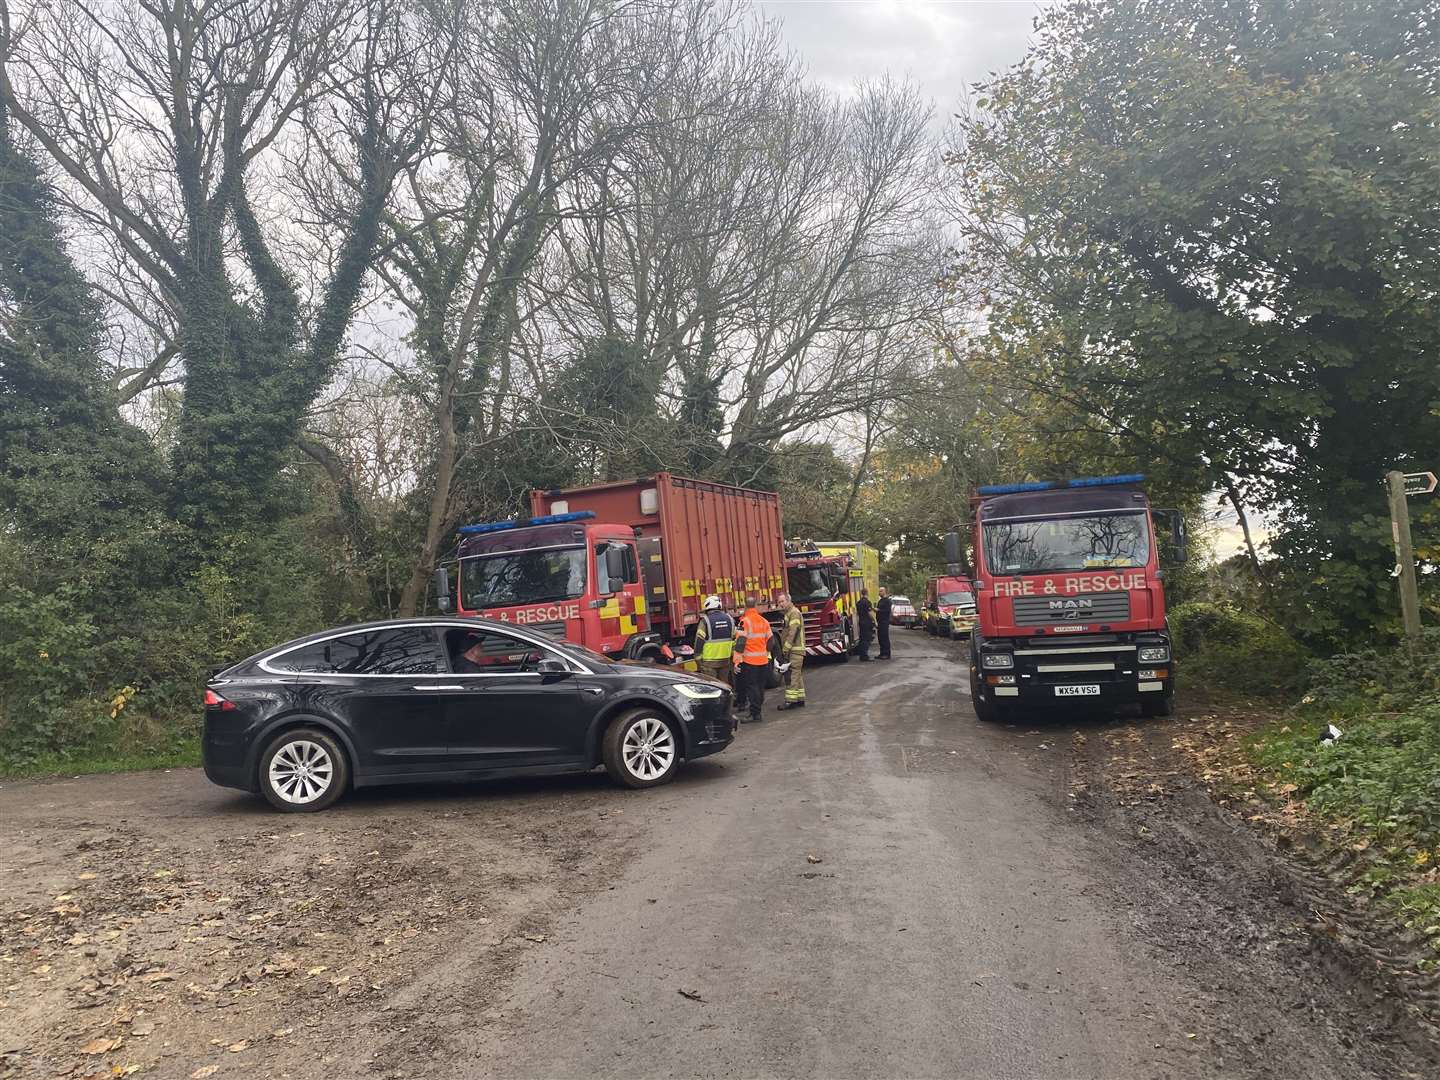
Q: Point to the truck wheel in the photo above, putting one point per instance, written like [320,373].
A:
[986,711]
[640,749]
[1157,707]
[303,770]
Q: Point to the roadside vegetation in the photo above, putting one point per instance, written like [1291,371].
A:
[1375,785]
[263,347]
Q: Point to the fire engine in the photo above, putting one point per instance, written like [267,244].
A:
[1070,596]
[623,567]
[949,606]
[820,586]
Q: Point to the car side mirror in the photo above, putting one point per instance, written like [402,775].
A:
[551,666]
[443,597]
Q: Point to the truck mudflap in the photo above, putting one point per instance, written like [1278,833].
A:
[829,648]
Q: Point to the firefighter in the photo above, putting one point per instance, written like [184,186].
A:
[792,648]
[752,657]
[882,623]
[865,613]
[715,640]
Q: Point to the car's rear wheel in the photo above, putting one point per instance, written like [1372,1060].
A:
[303,770]
[641,749]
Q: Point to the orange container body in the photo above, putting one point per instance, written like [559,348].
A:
[695,538]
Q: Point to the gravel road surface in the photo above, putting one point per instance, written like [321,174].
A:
[877,885]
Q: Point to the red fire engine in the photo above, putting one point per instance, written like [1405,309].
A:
[820,587]
[623,567]
[1071,604]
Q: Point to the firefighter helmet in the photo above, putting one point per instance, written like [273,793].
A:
[712,603]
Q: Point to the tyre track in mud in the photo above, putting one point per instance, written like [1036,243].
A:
[1283,955]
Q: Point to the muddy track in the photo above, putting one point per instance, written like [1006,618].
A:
[1219,897]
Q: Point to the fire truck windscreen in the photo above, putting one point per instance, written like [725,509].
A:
[1079,543]
[955,599]
[808,584]
[509,578]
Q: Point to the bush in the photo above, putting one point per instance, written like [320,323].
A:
[1222,647]
[46,658]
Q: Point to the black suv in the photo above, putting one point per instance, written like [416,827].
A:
[420,700]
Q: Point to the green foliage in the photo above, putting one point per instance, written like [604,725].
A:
[1229,262]
[46,662]
[1224,648]
[1380,781]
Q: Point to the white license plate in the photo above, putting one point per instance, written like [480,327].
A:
[1090,690]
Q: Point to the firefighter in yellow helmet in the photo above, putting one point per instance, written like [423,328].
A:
[792,654]
[715,640]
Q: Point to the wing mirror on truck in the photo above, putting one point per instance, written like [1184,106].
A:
[955,555]
[443,595]
[1172,535]
[610,569]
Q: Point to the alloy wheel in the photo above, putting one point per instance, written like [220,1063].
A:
[648,748]
[301,771]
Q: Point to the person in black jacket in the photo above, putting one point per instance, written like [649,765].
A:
[866,614]
[882,623]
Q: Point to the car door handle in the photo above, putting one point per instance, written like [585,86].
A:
[428,686]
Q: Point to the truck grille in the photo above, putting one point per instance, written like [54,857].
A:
[1050,610]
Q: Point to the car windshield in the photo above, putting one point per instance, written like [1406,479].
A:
[1084,543]
[808,584]
[897,600]
[957,598]
[522,577]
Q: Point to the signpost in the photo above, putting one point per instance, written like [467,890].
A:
[1419,483]
[1401,485]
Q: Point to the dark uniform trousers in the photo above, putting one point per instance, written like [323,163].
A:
[750,687]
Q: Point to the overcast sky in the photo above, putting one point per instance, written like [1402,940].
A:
[944,46]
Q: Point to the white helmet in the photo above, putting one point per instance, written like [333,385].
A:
[712,603]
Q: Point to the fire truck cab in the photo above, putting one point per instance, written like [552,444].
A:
[1070,597]
[820,587]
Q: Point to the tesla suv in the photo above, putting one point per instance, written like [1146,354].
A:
[426,700]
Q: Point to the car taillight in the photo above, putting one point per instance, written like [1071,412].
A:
[215,701]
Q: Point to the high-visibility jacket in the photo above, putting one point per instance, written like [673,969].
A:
[793,636]
[753,638]
[716,634]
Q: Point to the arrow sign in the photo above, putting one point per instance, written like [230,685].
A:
[1419,483]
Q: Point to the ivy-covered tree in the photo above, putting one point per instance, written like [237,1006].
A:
[78,485]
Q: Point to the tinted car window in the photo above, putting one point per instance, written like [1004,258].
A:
[411,650]
[484,652]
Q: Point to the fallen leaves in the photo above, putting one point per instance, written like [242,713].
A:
[814,859]
[203,1071]
[101,1046]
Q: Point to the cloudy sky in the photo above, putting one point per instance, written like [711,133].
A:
[943,45]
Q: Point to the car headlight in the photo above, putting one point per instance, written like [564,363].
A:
[1154,654]
[994,660]
[699,691]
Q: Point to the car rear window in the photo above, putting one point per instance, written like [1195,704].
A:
[410,650]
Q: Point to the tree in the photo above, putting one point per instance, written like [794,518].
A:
[1208,238]
[170,121]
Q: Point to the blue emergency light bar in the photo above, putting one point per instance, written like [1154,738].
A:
[501,526]
[1051,485]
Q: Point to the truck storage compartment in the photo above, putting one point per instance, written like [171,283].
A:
[696,537]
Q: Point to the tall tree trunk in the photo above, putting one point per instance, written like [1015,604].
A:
[445,456]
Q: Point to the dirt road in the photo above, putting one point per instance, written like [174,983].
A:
[875,886]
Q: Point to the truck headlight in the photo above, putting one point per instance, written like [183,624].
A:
[993,660]
[699,691]
[1154,654]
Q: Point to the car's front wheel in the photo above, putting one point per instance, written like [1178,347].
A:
[641,749]
[303,770]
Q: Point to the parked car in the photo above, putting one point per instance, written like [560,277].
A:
[902,611]
[425,700]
